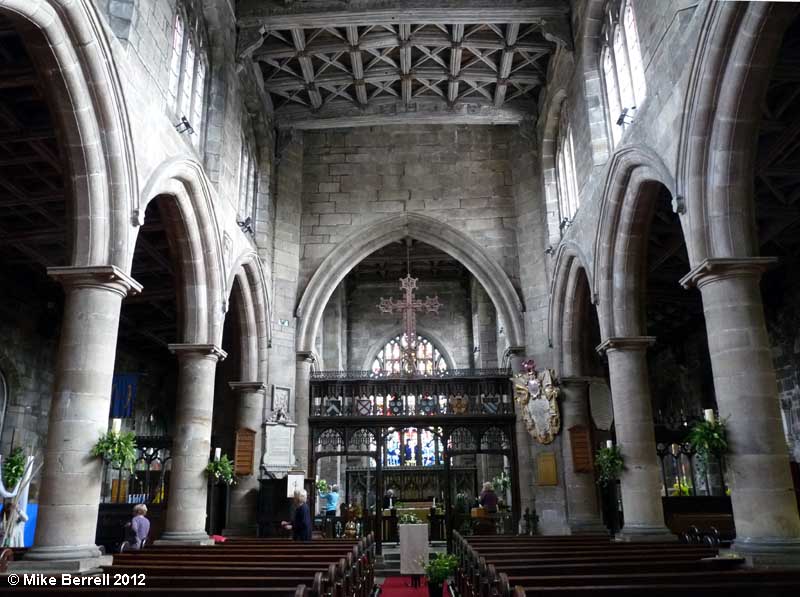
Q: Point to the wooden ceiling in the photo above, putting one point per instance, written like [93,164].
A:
[362,62]
[388,264]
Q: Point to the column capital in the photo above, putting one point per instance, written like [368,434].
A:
[108,277]
[626,343]
[247,386]
[208,351]
[306,357]
[713,269]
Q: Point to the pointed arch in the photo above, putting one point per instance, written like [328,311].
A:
[195,232]
[617,247]
[68,44]
[432,337]
[351,251]
[717,148]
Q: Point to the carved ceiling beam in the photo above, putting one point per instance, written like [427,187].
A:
[299,38]
[474,75]
[356,64]
[506,61]
[404,33]
[389,111]
[455,63]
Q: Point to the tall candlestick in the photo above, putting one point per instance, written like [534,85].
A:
[709,415]
[116,425]
[217,453]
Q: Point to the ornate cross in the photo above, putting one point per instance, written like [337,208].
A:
[409,307]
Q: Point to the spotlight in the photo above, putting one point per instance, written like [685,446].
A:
[184,127]
[246,225]
[624,117]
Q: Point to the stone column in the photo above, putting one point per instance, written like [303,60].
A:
[583,505]
[633,423]
[764,506]
[301,406]
[191,447]
[244,495]
[71,479]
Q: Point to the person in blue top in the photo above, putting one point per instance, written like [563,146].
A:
[331,500]
[301,525]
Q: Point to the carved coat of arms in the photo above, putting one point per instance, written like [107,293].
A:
[537,394]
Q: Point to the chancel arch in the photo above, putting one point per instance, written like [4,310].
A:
[353,250]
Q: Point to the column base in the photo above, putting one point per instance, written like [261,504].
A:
[645,534]
[74,559]
[587,527]
[184,538]
[768,553]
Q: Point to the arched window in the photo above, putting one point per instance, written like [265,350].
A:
[623,69]
[187,72]
[566,177]
[248,180]
[391,358]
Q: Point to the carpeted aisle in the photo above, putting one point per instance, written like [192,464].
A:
[400,586]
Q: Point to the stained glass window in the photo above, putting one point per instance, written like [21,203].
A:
[390,359]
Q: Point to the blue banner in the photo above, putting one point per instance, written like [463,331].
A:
[123,395]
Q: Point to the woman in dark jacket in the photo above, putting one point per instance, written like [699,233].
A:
[301,525]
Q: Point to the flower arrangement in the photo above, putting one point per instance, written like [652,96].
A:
[117,449]
[609,463]
[440,568]
[14,467]
[322,486]
[708,438]
[221,470]
[408,518]
[502,482]
[682,487]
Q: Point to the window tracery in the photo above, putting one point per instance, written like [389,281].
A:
[187,72]
[389,360]
[566,176]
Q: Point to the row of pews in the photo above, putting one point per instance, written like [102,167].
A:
[274,567]
[523,566]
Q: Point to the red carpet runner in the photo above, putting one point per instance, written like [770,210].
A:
[400,586]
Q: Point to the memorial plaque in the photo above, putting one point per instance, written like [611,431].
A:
[581,443]
[546,469]
[244,452]
[279,447]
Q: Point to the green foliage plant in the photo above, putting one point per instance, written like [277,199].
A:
[14,468]
[708,438]
[440,568]
[322,486]
[408,518]
[117,449]
[609,464]
[221,470]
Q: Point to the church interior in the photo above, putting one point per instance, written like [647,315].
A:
[327,297]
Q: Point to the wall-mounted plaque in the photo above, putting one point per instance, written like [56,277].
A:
[281,399]
[581,443]
[244,452]
[546,469]
[278,447]
[294,481]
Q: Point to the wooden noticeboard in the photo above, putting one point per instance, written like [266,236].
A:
[581,441]
[244,453]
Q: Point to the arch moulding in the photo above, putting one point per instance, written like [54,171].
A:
[354,249]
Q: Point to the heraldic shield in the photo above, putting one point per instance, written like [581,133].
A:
[537,395]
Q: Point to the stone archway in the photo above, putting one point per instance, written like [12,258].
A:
[354,249]
[68,43]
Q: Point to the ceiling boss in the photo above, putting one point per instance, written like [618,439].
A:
[537,394]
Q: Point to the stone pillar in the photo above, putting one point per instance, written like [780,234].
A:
[583,505]
[244,495]
[301,406]
[71,479]
[764,506]
[191,447]
[633,423]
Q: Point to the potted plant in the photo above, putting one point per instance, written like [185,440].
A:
[708,438]
[609,463]
[437,570]
[221,470]
[118,449]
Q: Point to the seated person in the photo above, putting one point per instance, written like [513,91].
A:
[488,498]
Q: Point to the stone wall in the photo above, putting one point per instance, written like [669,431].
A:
[458,174]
